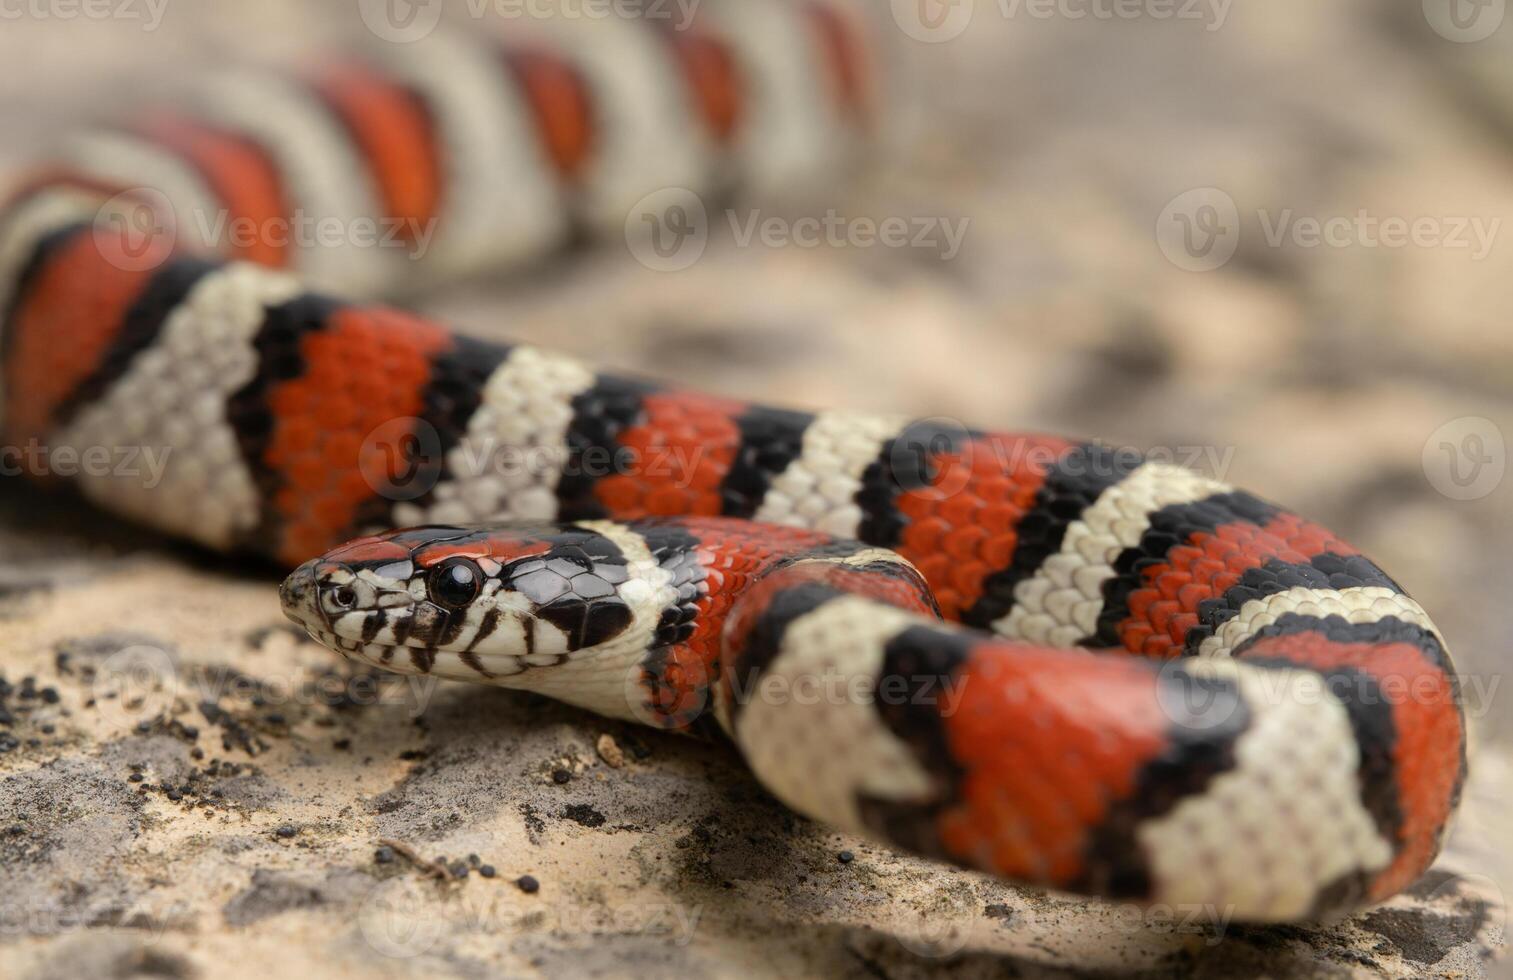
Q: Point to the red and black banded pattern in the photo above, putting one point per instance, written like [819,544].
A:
[561,105]
[240,173]
[1199,563]
[396,132]
[1291,780]
[1066,488]
[45,376]
[1376,663]
[478,146]
[1060,767]
[1285,740]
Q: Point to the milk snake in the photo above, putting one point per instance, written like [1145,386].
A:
[1033,656]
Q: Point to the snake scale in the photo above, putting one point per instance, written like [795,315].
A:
[1034,656]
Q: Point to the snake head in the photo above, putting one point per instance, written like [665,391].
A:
[470,603]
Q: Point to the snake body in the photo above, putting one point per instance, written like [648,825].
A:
[1035,656]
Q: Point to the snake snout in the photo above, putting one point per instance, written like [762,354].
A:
[298,594]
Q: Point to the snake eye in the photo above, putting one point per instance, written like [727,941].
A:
[344,597]
[455,583]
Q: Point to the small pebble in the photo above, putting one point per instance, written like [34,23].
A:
[487,871]
[528,884]
[175,795]
[48,729]
[610,752]
[384,855]
[560,776]
[846,857]
[287,831]
[50,695]
[135,777]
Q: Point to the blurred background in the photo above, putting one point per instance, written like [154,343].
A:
[1274,239]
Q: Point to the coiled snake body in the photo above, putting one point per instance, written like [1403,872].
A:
[1024,654]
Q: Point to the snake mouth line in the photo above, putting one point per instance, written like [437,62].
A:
[425,660]
[376,653]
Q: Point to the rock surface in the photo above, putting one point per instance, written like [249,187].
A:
[189,790]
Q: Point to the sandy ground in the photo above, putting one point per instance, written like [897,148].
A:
[188,790]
